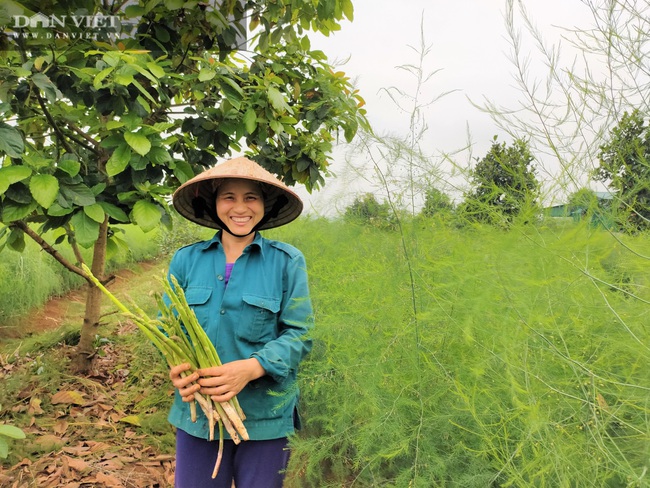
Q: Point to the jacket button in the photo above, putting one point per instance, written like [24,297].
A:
[222,311]
[220,277]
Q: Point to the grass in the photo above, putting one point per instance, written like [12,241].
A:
[29,278]
[511,359]
[443,357]
[129,381]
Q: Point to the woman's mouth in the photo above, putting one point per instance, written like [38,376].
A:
[240,220]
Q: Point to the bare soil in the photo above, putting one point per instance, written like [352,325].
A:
[79,436]
[59,309]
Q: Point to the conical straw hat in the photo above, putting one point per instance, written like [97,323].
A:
[199,193]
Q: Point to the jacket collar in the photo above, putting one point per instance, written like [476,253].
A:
[216,242]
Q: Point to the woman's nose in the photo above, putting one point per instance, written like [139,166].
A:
[240,206]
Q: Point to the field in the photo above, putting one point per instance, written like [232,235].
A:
[444,356]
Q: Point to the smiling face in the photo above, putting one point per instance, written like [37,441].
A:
[240,205]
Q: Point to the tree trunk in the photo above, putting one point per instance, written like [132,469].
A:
[82,360]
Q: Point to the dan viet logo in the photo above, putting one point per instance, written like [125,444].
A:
[41,26]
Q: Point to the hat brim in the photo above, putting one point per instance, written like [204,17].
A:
[202,186]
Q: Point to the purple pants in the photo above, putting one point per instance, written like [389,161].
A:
[250,464]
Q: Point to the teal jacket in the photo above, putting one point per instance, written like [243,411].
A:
[265,312]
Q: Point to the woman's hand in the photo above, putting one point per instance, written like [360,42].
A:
[224,382]
[186,385]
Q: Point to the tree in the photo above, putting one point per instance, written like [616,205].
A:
[106,107]
[583,202]
[504,184]
[368,211]
[436,202]
[625,167]
[573,87]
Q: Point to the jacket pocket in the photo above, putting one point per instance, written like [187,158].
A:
[259,318]
[197,298]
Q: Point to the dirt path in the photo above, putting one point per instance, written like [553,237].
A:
[68,308]
[82,431]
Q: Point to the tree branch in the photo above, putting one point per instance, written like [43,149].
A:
[63,136]
[53,123]
[49,249]
[57,255]
[73,244]
[83,134]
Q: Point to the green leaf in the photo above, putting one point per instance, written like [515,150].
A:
[119,244]
[36,162]
[250,121]
[78,194]
[114,124]
[42,81]
[112,249]
[97,82]
[131,121]
[13,211]
[95,212]
[276,126]
[138,142]
[174,4]
[183,171]
[348,9]
[98,188]
[146,214]
[114,212]
[277,100]
[56,210]
[11,141]
[159,155]
[144,104]
[233,92]
[142,90]
[119,160]
[69,166]
[123,79]
[16,240]
[131,419]
[4,448]
[86,230]
[155,69]
[206,74]
[12,174]
[147,74]
[44,189]
[133,11]
[11,431]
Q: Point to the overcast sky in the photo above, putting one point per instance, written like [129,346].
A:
[468,45]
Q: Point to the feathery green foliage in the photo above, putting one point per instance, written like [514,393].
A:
[523,365]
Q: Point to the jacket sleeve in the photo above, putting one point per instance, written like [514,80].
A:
[282,355]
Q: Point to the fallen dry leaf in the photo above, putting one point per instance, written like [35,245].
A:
[108,480]
[98,446]
[35,406]
[68,397]
[76,463]
[60,426]
[112,465]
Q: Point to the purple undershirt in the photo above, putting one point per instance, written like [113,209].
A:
[228,271]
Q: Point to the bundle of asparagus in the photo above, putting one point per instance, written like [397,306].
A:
[177,334]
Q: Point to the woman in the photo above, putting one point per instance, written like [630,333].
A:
[251,296]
